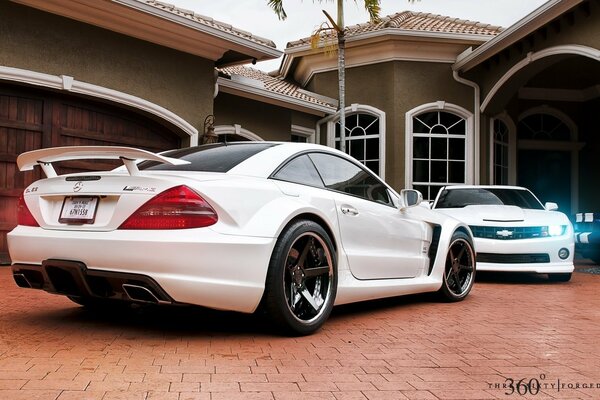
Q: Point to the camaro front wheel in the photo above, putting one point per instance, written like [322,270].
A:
[302,278]
[459,271]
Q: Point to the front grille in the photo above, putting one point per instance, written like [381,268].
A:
[509,232]
[533,258]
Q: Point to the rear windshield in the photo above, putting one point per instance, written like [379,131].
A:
[218,157]
[458,198]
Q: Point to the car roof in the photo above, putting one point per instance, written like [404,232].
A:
[263,163]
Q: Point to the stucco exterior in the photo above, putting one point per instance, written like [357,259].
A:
[552,71]
[42,42]
[580,28]
[268,121]
[396,87]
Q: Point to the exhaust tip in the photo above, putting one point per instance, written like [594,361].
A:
[21,281]
[140,293]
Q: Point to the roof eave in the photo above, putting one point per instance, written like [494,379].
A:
[143,21]
[291,53]
[255,48]
[528,24]
[252,92]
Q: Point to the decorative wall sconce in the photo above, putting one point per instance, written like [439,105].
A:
[209,135]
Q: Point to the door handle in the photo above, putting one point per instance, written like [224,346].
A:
[349,210]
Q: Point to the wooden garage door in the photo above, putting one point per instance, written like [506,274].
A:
[32,119]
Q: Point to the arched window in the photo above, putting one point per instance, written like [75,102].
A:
[364,135]
[548,156]
[543,126]
[235,133]
[438,148]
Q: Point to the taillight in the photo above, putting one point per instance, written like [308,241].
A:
[176,208]
[24,216]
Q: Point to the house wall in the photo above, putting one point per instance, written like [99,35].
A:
[43,42]
[396,87]
[583,29]
[265,120]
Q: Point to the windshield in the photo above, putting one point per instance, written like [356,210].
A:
[218,157]
[458,198]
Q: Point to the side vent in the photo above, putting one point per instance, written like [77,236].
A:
[433,247]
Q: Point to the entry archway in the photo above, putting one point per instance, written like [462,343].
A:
[548,156]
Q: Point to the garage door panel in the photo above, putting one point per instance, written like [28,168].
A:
[100,127]
[32,119]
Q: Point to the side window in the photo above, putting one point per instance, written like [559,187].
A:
[344,176]
[300,170]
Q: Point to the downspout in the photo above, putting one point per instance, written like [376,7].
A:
[476,122]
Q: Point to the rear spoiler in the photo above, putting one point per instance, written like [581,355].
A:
[45,157]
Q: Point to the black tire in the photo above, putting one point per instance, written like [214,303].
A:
[459,269]
[302,279]
[559,277]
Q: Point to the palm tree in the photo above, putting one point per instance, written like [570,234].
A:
[373,8]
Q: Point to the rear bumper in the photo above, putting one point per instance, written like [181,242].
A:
[194,266]
[526,255]
[73,278]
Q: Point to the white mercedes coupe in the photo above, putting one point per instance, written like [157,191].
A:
[513,231]
[290,228]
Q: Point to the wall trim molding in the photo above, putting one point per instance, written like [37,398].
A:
[237,129]
[531,57]
[355,108]
[69,84]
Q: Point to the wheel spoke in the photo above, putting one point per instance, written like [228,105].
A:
[457,282]
[468,268]
[317,271]
[311,300]
[461,252]
[294,296]
[302,258]
[451,254]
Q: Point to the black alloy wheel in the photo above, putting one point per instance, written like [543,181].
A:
[302,279]
[459,271]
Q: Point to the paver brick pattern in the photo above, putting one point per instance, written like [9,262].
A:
[510,328]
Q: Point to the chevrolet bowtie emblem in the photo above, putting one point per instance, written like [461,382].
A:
[504,233]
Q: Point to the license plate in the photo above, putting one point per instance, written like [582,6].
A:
[78,210]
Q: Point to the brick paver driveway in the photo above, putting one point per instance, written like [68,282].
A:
[509,329]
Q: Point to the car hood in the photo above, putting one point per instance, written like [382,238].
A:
[505,215]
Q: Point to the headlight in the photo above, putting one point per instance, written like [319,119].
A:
[557,230]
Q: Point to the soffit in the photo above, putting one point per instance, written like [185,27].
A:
[544,14]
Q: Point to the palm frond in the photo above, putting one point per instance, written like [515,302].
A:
[277,6]
[324,37]
[373,7]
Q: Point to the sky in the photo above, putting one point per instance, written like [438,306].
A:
[304,16]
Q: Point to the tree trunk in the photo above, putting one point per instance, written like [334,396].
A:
[342,87]
[341,72]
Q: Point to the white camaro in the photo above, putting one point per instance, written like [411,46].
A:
[513,231]
[294,228]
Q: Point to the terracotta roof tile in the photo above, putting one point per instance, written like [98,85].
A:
[207,21]
[417,21]
[277,84]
